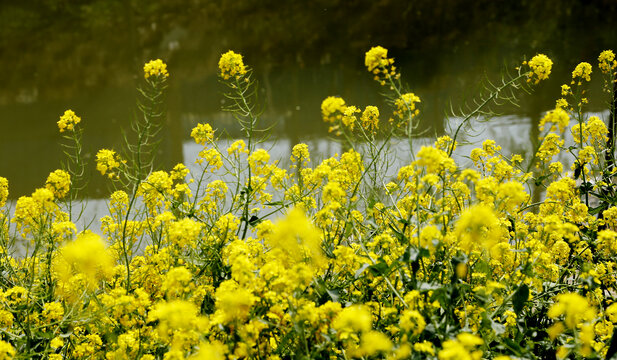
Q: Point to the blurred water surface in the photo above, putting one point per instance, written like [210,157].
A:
[87,55]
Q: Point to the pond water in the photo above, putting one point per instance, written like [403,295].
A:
[88,56]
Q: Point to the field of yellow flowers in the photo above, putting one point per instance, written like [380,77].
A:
[329,260]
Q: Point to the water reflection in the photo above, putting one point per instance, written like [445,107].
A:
[515,134]
[88,58]
[30,146]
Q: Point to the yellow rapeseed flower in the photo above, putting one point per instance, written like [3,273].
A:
[4,190]
[374,342]
[231,65]
[607,61]
[300,153]
[574,307]
[406,106]
[184,233]
[233,303]
[59,183]
[68,121]
[176,315]
[478,228]
[107,161]
[412,321]
[349,117]
[370,118]
[434,160]
[6,350]
[376,57]
[212,157]
[582,71]
[378,63]
[155,68]
[607,242]
[461,348]
[258,160]
[356,318]
[53,311]
[297,237]
[86,256]
[202,133]
[540,68]
[210,351]
[558,117]
[237,147]
[332,109]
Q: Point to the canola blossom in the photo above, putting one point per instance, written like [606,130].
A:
[377,62]
[59,183]
[582,72]
[607,61]
[107,161]
[376,57]
[155,68]
[249,256]
[68,121]
[231,65]
[540,66]
[4,190]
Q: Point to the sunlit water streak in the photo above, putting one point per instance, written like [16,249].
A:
[512,133]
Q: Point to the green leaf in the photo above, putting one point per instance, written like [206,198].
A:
[254,220]
[512,345]
[378,269]
[597,209]
[334,294]
[520,298]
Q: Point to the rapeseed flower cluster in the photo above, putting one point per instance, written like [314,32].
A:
[582,71]
[540,66]
[155,68]
[377,62]
[406,106]
[107,162]
[607,61]
[231,65]
[202,134]
[59,183]
[332,110]
[330,259]
[370,118]
[4,191]
[68,121]
[559,118]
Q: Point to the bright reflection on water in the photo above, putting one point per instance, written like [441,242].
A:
[513,131]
